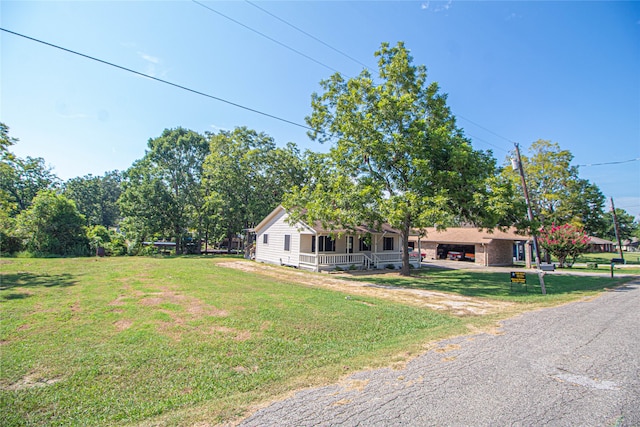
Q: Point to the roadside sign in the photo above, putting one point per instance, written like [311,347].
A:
[519,277]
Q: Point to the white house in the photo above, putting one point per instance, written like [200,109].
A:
[314,248]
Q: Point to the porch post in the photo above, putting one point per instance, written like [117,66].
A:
[527,254]
[317,245]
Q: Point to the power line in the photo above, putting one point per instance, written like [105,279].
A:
[611,163]
[484,128]
[307,34]
[265,36]
[323,64]
[197,92]
[486,142]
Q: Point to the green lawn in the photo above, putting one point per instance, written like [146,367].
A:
[178,341]
[605,258]
[183,341]
[560,288]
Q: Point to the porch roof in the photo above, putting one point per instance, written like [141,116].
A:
[361,229]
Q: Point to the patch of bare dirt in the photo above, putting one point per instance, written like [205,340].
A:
[457,305]
[32,380]
[123,324]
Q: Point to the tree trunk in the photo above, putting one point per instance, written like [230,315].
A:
[404,247]
[230,239]
[178,242]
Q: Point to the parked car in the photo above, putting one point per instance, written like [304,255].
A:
[413,253]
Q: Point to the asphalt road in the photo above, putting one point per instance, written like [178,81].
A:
[574,365]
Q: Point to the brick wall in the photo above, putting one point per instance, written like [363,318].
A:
[430,249]
[500,252]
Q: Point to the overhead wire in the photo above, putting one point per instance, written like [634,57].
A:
[610,163]
[306,33]
[349,57]
[197,92]
[264,35]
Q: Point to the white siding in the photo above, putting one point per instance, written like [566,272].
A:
[273,252]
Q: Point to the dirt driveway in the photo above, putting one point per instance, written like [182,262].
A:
[454,304]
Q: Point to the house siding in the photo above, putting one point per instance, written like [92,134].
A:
[273,252]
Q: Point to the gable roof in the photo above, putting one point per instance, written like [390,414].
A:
[279,210]
[470,235]
[599,241]
[318,228]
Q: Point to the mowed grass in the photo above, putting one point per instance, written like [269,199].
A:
[180,341]
[605,257]
[561,288]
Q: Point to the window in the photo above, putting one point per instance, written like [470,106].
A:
[388,244]
[364,245]
[265,239]
[287,242]
[327,244]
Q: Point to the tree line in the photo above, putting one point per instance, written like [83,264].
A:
[396,155]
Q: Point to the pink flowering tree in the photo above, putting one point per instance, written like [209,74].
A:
[564,242]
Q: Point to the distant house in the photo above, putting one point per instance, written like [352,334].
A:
[597,244]
[631,245]
[486,248]
[315,248]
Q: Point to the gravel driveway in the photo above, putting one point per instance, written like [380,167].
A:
[573,365]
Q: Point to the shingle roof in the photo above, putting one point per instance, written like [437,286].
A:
[470,235]
[599,241]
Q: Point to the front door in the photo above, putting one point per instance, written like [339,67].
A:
[350,244]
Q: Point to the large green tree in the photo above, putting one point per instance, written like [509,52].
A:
[96,197]
[161,192]
[397,155]
[557,192]
[20,181]
[53,225]
[627,226]
[245,177]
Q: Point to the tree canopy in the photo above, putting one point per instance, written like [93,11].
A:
[161,192]
[245,177]
[397,155]
[558,195]
[96,197]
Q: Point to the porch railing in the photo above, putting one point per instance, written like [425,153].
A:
[382,258]
[350,259]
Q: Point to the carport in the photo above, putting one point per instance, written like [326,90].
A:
[484,247]
[456,252]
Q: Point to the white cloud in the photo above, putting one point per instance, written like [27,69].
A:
[152,64]
[437,6]
[149,58]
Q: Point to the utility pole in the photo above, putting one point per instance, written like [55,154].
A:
[616,227]
[536,249]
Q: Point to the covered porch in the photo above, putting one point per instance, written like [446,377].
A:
[323,252]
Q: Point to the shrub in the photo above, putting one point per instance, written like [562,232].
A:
[564,241]
[52,225]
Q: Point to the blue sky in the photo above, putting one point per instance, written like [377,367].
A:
[566,71]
